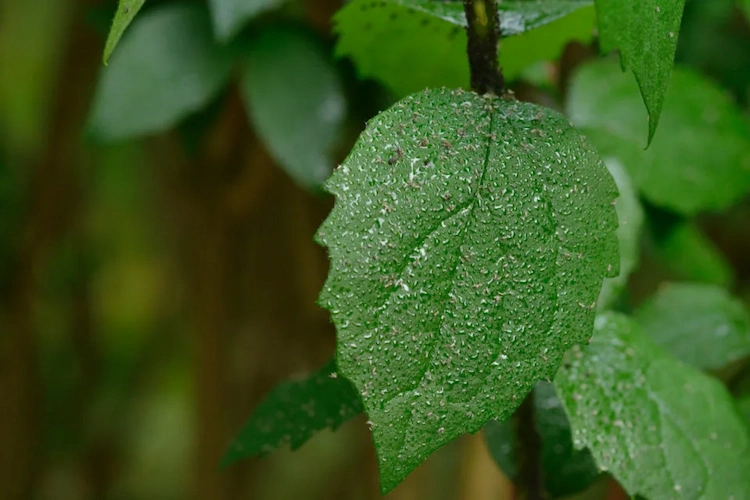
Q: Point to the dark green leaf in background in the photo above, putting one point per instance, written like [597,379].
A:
[703,325]
[661,428]
[700,158]
[645,32]
[565,470]
[126,11]
[468,245]
[294,411]
[230,15]
[167,66]
[296,101]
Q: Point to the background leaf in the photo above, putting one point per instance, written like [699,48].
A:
[294,411]
[467,253]
[646,34]
[703,325]
[662,429]
[167,67]
[700,161]
[126,11]
[565,470]
[296,102]
[230,15]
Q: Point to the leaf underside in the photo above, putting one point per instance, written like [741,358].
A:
[126,11]
[661,428]
[468,245]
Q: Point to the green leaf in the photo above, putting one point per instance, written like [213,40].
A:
[126,11]
[565,470]
[703,325]
[662,429]
[167,67]
[230,15]
[689,254]
[294,411]
[428,36]
[630,218]
[468,245]
[700,159]
[299,118]
[646,32]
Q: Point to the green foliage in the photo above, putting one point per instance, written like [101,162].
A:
[700,161]
[691,256]
[294,411]
[565,470]
[703,325]
[662,429]
[230,15]
[468,244]
[167,67]
[646,32]
[298,118]
[430,40]
[126,11]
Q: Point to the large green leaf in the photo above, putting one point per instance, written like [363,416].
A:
[294,411]
[565,469]
[230,15]
[691,256]
[661,428]
[646,32]
[126,11]
[167,67]
[700,158]
[429,38]
[299,119]
[703,325]
[468,245]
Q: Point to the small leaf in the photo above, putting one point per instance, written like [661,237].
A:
[429,38]
[702,325]
[565,470]
[630,217]
[230,15]
[468,245]
[296,102]
[662,429]
[126,11]
[646,32]
[294,411]
[691,256]
[700,161]
[167,67]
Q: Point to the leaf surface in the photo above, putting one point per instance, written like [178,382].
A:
[230,15]
[294,411]
[429,38]
[703,325]
[299,119]
[468,245]
[126,11]
[691,256]
[167,67]
[646,32]
[661,428]
[700,159]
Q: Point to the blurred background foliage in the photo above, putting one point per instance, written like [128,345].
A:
[153,290]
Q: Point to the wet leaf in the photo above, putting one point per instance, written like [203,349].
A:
[699,160]
[167,67]
[299,119]
[645,32]
[429,38]
[690,255]
[230,15]
[703,325]
[661,428]
[565,470]
[468,245]
[294,411]
[126,11]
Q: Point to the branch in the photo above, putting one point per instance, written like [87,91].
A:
[483,33]
[529,480]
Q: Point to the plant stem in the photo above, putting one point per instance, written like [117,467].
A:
[483,37]
[529,451]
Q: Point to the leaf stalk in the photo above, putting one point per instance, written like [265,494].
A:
[483,33]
